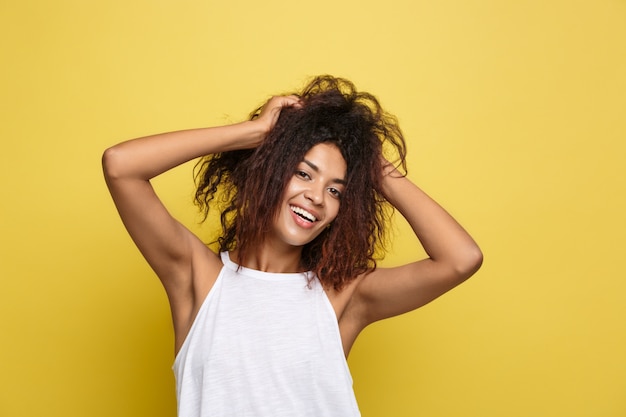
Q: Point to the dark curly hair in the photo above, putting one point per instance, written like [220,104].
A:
[249,184]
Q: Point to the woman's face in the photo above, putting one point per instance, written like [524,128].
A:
[312,197]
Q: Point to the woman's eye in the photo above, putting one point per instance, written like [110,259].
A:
[335,192]
[303,175]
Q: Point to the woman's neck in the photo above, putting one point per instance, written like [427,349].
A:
[271,258]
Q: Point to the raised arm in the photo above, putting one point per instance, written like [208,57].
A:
[453,256]
[176,255]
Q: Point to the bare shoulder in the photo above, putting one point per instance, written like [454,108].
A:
[350,311]
[206,266]
[186,302]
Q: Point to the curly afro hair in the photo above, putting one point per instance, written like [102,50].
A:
[250,183]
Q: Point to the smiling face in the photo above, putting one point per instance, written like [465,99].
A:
[312,197]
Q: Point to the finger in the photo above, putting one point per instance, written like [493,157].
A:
[291,100]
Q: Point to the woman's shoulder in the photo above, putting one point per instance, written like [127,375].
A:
[205,268]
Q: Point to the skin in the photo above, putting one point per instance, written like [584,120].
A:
[188,269]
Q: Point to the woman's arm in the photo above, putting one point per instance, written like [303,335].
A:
[147,157]
[128,168]
[175,254]
[453,256]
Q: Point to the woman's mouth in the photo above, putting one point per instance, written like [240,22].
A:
[303,214]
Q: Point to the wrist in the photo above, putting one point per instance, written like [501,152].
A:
[392,179]
[249,135]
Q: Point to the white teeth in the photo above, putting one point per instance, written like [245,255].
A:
[303,213]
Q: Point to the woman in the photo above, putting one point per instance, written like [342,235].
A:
[263,327]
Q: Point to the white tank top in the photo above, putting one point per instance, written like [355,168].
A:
[264,345]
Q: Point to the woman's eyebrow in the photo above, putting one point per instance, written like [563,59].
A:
[316,169]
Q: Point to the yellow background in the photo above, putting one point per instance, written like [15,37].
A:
[515,115]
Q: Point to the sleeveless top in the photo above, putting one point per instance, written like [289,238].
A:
[264,345]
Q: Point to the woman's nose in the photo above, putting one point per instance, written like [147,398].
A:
[315,194]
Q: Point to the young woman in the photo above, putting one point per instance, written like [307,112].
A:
[263,327]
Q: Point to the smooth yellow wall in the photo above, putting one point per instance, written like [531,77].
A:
[515,115]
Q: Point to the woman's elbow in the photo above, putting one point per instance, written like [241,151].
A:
[463,263]
[469,263]
[111,163]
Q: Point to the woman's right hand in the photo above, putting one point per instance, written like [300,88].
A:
[271,110]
